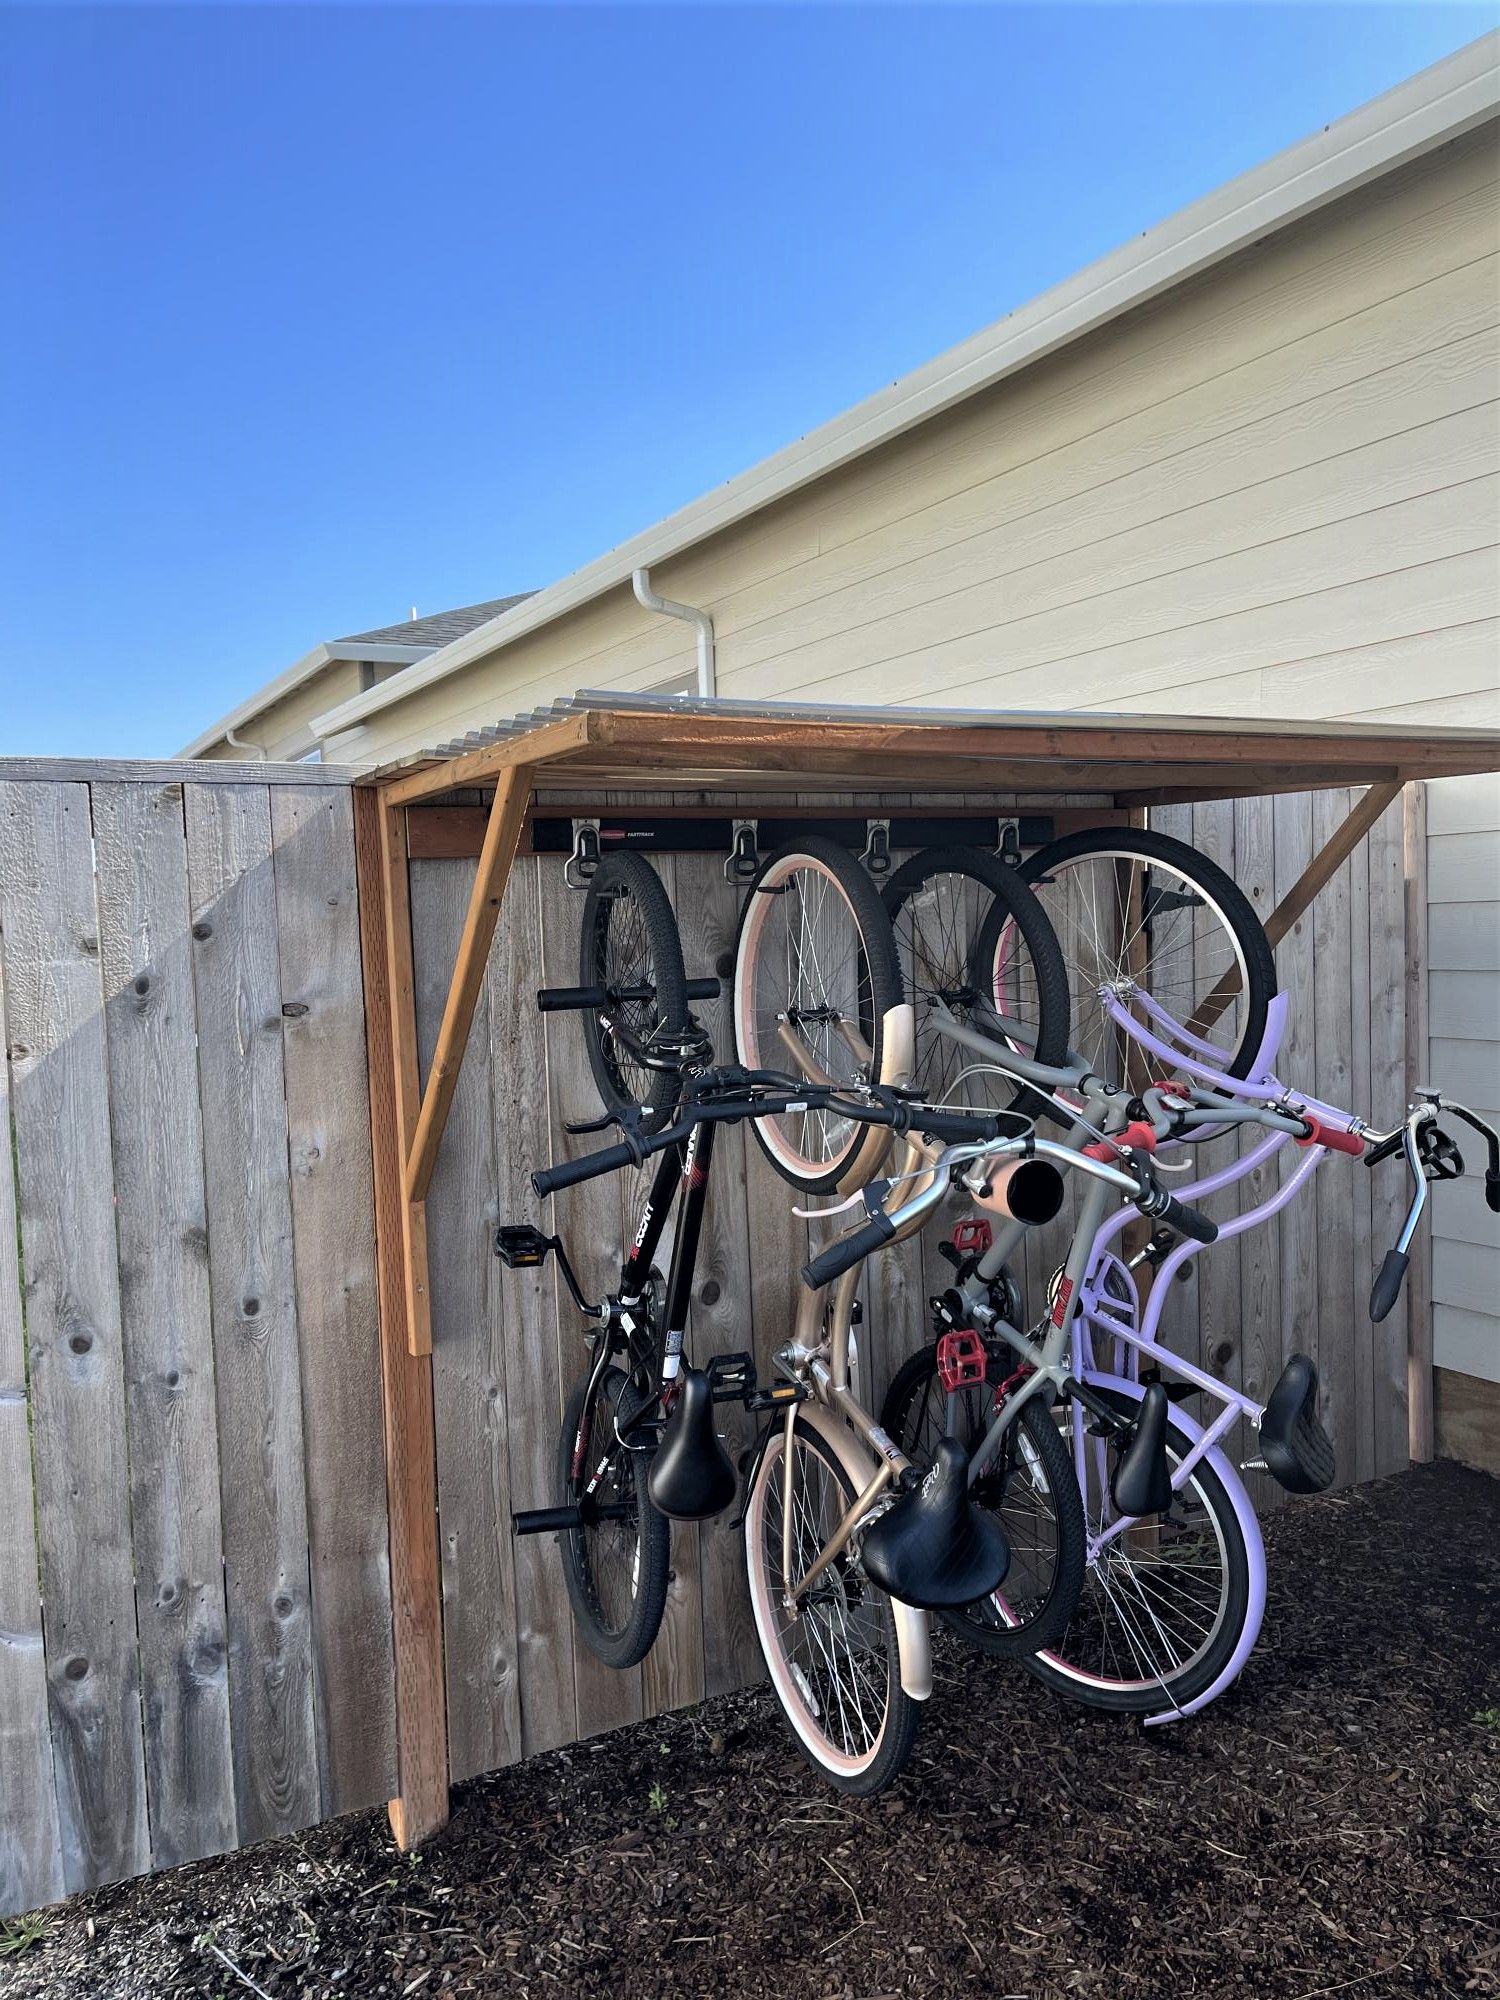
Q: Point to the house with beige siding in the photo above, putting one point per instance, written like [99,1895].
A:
[1246,465]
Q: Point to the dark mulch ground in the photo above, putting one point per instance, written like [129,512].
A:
[1332,1827]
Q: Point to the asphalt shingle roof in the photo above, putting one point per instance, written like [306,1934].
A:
[438,630]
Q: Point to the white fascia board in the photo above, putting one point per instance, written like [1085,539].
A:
[1428,110]
[294,677]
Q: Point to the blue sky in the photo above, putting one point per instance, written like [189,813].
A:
[313,314]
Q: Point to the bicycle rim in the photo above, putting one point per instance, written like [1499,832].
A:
[1031,1492]
[1163,1605]
[815,976]
[616,1570]
[629,944]
[834,1665]
[939,903]
[1146,921]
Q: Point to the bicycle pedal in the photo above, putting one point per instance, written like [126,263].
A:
[776,1395]
[731,1377]
[521,1246]
[962,1359]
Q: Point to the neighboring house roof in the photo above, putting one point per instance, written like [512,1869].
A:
[387,645]
[441,628]
[1428,110]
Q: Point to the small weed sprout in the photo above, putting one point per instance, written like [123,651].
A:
[18,1934]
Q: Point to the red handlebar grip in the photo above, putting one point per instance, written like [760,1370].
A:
[1137,1134]
[1337,1141]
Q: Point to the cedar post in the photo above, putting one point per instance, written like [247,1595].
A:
[421,1803]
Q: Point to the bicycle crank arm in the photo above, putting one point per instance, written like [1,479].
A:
[565,1520]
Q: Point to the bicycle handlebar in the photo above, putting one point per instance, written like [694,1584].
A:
[783,1094]
[562,999]
[848,1251]
[1149,1196]
[568,1173]
[1179,1215]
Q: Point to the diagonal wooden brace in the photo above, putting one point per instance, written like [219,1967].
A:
[501,838]
[1324,864]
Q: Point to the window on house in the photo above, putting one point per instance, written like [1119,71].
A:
[683,683]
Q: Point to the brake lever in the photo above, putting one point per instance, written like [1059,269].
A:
[1492,1145]
[1392,1273]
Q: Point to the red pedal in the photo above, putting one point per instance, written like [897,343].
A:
[973,1237]
[961,1359]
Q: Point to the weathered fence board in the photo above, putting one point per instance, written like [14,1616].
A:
[61,1105]
[1388,1088]
[517,1060]
[162,1225]
[469,1389]
[254,1308]
[30,1848]
[338,1325]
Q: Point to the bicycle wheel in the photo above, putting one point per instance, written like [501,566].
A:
[815,975]
[1032,1491]
[616,1567]
[939,902]
[1147,920]
[834,1665]
[1164,1604]
[630,946]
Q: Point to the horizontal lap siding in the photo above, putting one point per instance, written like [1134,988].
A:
[194,1598]
[1463,957]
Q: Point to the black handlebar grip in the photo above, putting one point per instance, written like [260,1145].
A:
[557,999]
[704,989]
[1388,1282]
[957,1126]
[848,1251]
[1188,1221]
[568,1173]
[1386,1150]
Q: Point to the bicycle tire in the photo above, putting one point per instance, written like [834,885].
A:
[622,1641]
[944,959]
[1016,1620]
[1256,965]
[625,890]
[816,1164]
[880,1762]
[1062,1667]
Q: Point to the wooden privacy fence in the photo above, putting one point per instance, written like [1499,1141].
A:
[195,1598]
[195,1643]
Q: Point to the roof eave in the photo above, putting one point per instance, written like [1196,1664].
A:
[328,655]
[1429,110]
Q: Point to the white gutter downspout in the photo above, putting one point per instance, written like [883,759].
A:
[238,743]
[646,597]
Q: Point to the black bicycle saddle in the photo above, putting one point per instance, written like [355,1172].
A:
[934,1548]
[691,1476]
